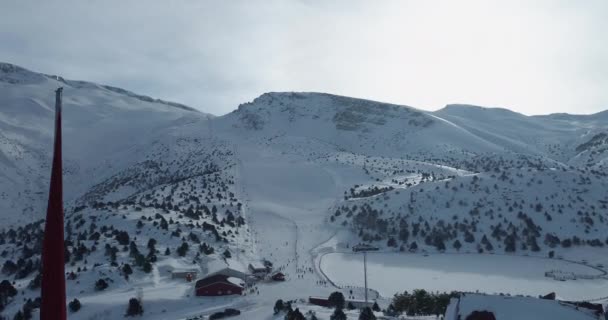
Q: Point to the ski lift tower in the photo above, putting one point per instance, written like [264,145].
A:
[364,248]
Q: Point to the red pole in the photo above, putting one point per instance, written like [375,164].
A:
[53,264]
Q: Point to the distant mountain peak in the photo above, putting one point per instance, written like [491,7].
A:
[6,67]
[14,74]
[346,113]
[295,96]
[319,99]
[147,98]
[602,115]
[458,107]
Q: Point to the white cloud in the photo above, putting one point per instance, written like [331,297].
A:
[534,57]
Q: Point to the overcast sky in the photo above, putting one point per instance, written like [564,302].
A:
[534,57]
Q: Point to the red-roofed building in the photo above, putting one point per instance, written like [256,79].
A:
[218,285]
[279,276]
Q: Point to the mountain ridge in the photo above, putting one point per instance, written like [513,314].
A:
[352,124]
[286,175]
[8,68]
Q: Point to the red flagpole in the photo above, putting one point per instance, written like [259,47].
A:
[53,306]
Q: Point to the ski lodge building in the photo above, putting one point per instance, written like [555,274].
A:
[219,285]
[184,274]
[477,306]
[226,281]
[258,269]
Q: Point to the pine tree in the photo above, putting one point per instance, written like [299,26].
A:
[295,315]
[147,267]
[510,243]
[74,305]
[279,306]
[122,237]
[100,285]
[135,308]
[367,314]
[7,289]
[336,299]
[413,246]
[19,316]
[376,307]
[152,244]
[183,249]
[457,245]
[338,315]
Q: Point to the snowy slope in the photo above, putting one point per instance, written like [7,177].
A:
[104,129]
[559,137]
[353,125]
[147,185]
[460,173]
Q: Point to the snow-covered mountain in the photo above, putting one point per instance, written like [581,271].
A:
[565,138]
[283,177]
[106,130]
[137,172]
[459,174]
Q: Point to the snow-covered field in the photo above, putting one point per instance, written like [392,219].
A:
[391,273]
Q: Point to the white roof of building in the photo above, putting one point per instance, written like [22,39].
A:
[228,272]
[185,270]
[257,265]
[230,268]
[215,265]
[236,281]
[511,308]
